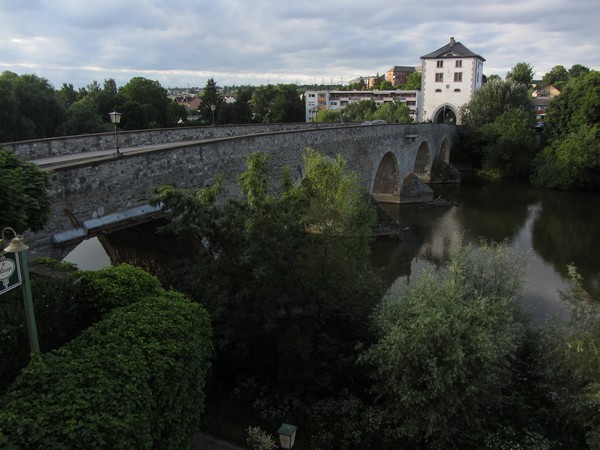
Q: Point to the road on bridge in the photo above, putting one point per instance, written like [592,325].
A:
[103,155]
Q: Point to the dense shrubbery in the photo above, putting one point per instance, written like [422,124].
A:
[133,380]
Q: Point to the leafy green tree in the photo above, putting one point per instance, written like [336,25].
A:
[577,70]
[25,190]
[442,359]
[286,277]
[262,98]
[393,112]
[287,106]
[413,82]
[574,362]
[557,77]
[328,115]
[571,162]
[67,95]
[153,98]
[499,117]
[82,118]
[577,105]
[360,111]
[31,111]
[242,108]
[509,143]
[211,96]
[521,73]
[386,85]
[491,77]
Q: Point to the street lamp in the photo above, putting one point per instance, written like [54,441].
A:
[212,109]
[115,118]
[17,246]
[287,435]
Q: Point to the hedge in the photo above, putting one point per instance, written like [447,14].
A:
[133,380]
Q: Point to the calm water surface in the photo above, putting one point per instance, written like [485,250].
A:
[554,228]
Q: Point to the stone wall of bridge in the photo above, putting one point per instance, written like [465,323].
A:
[93,191]
[68,145]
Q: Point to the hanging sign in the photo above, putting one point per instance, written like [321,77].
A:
[10,272]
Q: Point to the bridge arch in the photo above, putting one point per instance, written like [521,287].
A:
[444,153]
[422,165]
[386,186]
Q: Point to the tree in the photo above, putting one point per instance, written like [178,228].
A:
[557,77]
[211,97]
[287,106]
[492,100]
[360,111]
[286,277]
[521,73]
[386,85]
[577,105]
[393,112]
[82,118]
[577,70]
[328,115]
[442,359]
[509,146]
[571,162]
[25,192]
[491,77]
[242,109]
[413,82]
[499,116]
[31,111]
[573,359]
[153,98]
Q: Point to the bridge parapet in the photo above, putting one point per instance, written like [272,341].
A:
[70,145]
[94,195]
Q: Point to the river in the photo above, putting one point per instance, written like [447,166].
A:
[554,228]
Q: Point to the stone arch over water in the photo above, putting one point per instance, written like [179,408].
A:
[386,186]
[444,153]
[422,165]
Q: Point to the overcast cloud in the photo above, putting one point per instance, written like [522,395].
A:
[185,42]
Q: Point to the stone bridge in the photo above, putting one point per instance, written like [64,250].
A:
[96,192]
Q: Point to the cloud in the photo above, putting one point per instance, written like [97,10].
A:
[240,42]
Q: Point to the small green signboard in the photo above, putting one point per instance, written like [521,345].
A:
[10,272]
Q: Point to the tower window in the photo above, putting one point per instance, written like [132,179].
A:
[440,64]
[457,77]
[439,77]
[459,63]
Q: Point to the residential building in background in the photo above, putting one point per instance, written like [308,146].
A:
[397,75]
[335,100]
[541,96]
[449,78]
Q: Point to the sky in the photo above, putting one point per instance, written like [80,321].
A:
[183,43]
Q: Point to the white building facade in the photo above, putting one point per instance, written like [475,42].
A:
[450,77]
[335,100]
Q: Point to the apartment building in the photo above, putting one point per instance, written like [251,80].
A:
[334,100]
[449,78]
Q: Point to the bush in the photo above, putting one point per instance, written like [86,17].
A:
[133,380]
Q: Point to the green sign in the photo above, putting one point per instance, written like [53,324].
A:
[10,272]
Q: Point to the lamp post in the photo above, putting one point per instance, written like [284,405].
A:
[17,246]
[115,118]
[287,435]
[212,109]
